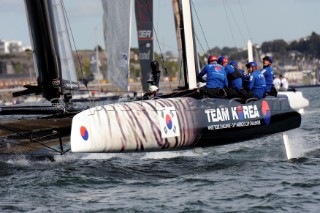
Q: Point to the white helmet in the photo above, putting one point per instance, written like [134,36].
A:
[153,88]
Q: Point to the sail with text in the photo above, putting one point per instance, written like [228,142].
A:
[144,20]
[117,34]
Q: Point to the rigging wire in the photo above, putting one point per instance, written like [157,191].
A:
[161,53]
[199,42]
[235,20]
[205,38]
[84,80]
[229,23]
[245,20]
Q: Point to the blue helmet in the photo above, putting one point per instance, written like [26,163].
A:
[222,59]
[268,58]
[234,63]
[252,64]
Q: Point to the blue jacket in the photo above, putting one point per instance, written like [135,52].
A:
[257,84]
[268,75]
[241,71]
[234,81]
[216,76]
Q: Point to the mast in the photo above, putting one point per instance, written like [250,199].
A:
[95,62]
[186,44]
[250,52]
[45,47]
[144,20]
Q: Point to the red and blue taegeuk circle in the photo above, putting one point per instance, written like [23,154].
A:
[266,112]
[169,121]
[84,133]
[240,112]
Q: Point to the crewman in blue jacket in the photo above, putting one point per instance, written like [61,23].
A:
[223,61]
[234,75]
[257,85]
[268,73]
[216,79]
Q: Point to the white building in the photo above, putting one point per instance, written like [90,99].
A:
[10,46]
[294,75]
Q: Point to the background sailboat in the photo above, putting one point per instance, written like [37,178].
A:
[44,128]
[117,20]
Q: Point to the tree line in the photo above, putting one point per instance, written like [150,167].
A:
[307,48]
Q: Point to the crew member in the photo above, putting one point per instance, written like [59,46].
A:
[234,75]
[152,93]
[216,79]
[257,85]
[223,61]
[268,74]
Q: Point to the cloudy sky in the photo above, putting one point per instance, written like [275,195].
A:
[223,22]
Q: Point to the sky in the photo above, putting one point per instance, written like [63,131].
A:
[221,23]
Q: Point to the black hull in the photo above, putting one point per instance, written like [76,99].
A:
[282,123]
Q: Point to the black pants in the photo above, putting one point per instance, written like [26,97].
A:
[212,92]
[241,94]
[273,92]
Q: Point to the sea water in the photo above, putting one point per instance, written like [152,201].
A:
[253,176]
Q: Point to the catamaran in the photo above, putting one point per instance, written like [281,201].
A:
[179,120]
[182,119]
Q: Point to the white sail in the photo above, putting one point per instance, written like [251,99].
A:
[66,59]
[117,34]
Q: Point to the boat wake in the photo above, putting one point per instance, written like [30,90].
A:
[175,154]
[142,156]
[299,144]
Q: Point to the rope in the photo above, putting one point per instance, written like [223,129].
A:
[84,80]
[200,44]
[203,34]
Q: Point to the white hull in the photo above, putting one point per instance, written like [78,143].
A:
[296,100]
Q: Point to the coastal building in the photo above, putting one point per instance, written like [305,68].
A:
[7,47]
[16,80]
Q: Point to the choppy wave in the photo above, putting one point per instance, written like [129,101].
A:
[253,176]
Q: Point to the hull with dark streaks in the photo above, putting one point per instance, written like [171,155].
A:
[179,123]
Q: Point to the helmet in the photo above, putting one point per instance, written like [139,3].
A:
[252,64]
[212,58]
[234,63]
[153,88]
[268,58]
[222,59]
